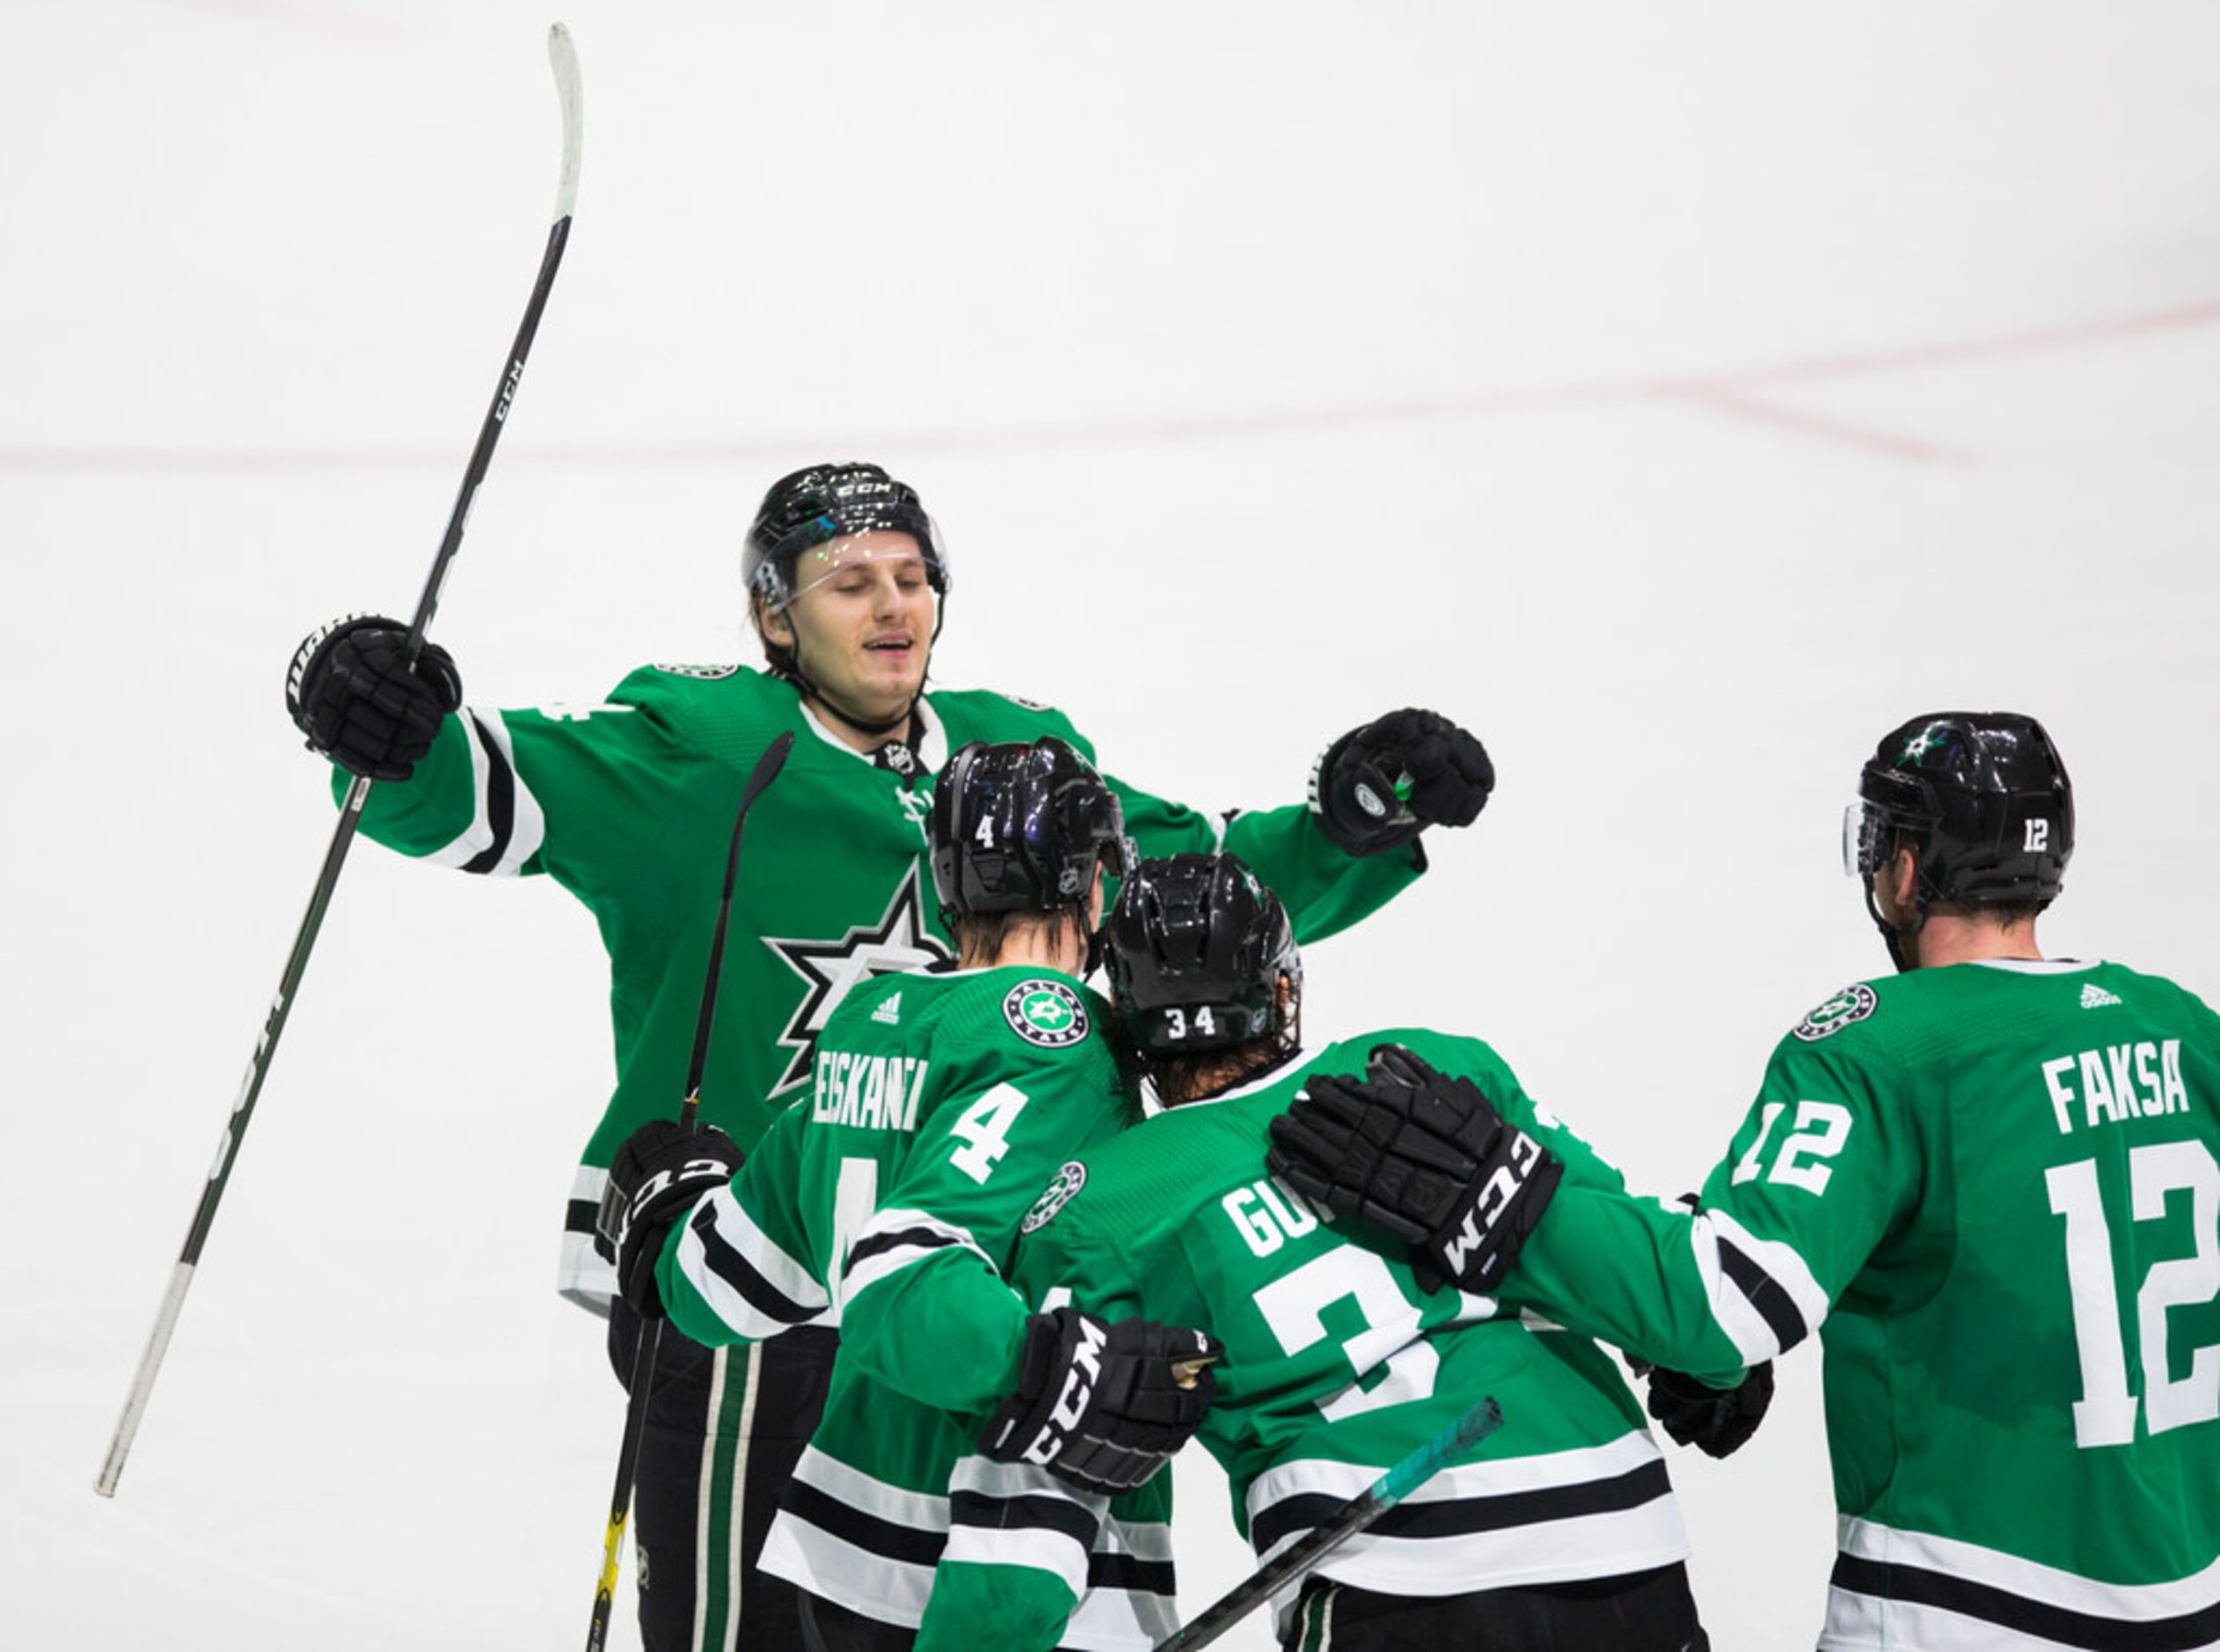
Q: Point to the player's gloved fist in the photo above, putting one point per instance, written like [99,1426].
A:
[1103,1403]
[657,1174]
[1378,785]
[1717,1421]
[350,691]
[1423,1155]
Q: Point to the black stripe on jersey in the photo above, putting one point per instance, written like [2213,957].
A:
[1772,1302]
[887,1539]
[1032,1511]
[900,1238]
[1462,1517]
[1132,1574]
[721,1259]
[1916,1585]
[501,800]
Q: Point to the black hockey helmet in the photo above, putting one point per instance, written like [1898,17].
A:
[1197,946]
[1021,828]
[809,510]
[1982,798]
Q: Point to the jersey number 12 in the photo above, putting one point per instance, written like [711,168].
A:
[2105,1412]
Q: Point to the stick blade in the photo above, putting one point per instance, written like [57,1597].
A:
[562,56]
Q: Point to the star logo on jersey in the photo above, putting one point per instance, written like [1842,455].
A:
[1851,1004]
[1045,1013]
[1061,1187]
[898,943]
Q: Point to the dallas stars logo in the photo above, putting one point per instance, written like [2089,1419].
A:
[898,942]
[1918,745]
[1045,1013]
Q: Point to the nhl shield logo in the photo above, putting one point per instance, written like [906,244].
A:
[1045,1013]
[1060,1191]
[1851,1004]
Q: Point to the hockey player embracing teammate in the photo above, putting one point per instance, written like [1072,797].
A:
[888,1200]
[1991,1184]
[1344,1351]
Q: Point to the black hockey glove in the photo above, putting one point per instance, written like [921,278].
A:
[349,692]
[1103,1403]
[657,1174]
[1377,786]
[1717,1421]
[1426,1156]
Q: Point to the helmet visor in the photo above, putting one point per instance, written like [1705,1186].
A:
[1865,829]
[861,559]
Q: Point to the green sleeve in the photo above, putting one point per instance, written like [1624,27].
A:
[1008,1566]
[1324,889]
[739,1269]
[925,1306]
[566,789]
[1813,1179]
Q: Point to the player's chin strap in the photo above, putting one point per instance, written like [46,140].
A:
[1892,935]
[901,719]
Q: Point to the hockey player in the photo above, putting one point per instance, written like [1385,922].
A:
[1991,1183]
[629,805]
[1557,1530]
[887,1198]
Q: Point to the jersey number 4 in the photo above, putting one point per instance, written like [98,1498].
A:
[2105,1412]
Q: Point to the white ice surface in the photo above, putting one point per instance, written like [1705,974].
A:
[1681,394]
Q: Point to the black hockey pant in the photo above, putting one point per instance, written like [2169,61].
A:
[1642,1611]
[725,1428]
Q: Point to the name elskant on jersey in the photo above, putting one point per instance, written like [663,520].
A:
[872,1091]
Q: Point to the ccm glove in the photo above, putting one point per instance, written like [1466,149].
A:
[1103,1403]
[1377,786]
[1426,1156]
[350,691]
[1717,1421]
[659,1173]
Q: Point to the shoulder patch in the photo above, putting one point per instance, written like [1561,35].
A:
[707,673]
[1045,1013]
[1062,1188]
[1031,705]
[1851,1004]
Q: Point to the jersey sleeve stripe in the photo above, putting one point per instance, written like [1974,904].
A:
[1760,1291]
[739,1273]
[506,826]
[893,1239]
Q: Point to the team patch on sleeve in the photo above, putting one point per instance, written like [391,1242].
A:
[1045,1013]
[1061,1188]
[1851,1004]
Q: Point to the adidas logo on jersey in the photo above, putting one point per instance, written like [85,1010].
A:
[890,1011]
[2094,997]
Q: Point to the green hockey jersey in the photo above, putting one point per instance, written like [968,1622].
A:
[1336,1366]
[629,805]
[886,1201]
[1994,1190]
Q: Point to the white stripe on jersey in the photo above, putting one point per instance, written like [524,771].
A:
[2030,1579]
[801,1298]
[1603,1543]
[580,1274]
[1001,1543]
[933,1235]
[1859,1623]
[892,1590]
[1752,1334]
[527,823]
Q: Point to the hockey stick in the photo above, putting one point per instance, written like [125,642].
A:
[564,57]
[651,1332]
[1295,1562]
